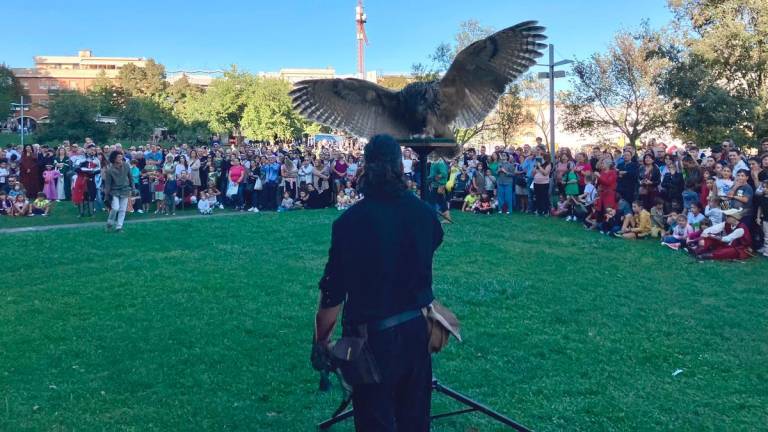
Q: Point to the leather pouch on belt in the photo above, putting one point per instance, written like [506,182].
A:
[355,360]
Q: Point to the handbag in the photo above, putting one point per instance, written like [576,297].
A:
[232,188]
[257,185]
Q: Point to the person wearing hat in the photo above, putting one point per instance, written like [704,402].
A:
[726,240]
[380,267]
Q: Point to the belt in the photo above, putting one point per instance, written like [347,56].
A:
[394,320]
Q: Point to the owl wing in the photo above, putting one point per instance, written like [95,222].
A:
[357,106]
[481,72]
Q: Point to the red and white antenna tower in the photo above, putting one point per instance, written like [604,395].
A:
[362,39]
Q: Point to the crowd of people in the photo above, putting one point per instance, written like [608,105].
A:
[711,203]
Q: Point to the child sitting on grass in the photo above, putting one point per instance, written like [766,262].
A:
[6,204]
[680,233]
[483,206]
[469,202]
[204,205]
[563,208]
[695,217]
[637,225]
[287,203]
[41,206]
[713,211]
[658,222]
[20,205]
[611,223]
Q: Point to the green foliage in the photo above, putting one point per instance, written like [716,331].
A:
[72,116]
[222,106]
[269,114]
[148,81]
[108,98]
[10,89]
[724,57]
[139,118]
[510,115]
[394,82]
[616,91]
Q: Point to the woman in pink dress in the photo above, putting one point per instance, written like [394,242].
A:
[50,176]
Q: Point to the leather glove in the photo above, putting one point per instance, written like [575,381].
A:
[321,357]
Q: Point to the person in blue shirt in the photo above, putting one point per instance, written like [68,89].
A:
[271,178]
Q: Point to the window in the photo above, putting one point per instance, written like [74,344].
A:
[43,85]
[54,86]
[73,85]
[25,85]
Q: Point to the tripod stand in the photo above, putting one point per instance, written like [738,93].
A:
[423,148]
[343,413]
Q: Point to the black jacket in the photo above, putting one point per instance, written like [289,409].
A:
[380,260]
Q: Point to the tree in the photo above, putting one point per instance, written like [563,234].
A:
[11,89]
[719,74]
[222,106]
[72,116]
[441,59]
[139,118]
[535,92]
[107,97]
[394,82]
[269,113]
[616,91]
[510,115]
[143,81]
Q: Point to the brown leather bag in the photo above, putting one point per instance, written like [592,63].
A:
[354,359]
[441,324]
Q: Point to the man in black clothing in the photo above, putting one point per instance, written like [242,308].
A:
[380,267]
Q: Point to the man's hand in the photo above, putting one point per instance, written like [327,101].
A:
[321,356]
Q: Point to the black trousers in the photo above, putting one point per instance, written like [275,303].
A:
[401,403]
[541,197]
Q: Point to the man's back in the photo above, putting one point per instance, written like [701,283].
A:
[384,249]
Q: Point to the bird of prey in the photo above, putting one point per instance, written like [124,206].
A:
[464,96]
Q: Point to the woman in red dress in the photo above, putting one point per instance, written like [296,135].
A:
[606,185]
[30,171]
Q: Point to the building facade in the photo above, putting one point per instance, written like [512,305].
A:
[57,73]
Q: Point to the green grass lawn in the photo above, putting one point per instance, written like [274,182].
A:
[205,324]
[65,212]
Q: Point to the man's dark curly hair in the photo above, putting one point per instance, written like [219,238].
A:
[382,171]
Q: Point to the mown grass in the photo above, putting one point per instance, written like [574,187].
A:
[205,324]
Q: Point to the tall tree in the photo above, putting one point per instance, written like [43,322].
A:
[510,115]
[108,97]
[10,89]
[269,113]
[72,116]
[143,81]
[719,74]
[222,106]
[139,118]
[535,94]
[616,92]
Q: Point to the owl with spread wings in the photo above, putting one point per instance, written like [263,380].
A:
[465,95]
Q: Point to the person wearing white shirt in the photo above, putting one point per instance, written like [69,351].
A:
[725,241]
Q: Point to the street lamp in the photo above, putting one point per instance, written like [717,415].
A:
[551,75]
[20,107]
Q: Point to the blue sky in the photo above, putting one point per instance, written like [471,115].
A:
[269,35]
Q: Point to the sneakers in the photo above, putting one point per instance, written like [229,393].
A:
[673,246]
[140,211]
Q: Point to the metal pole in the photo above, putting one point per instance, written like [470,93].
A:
[22,122]
[552,100]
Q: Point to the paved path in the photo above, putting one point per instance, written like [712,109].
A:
[102,224]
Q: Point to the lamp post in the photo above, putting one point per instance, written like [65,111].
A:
[20,107]
[551,75]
